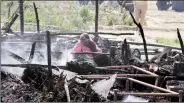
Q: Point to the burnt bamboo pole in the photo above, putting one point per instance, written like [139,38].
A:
[13,20]
[143,70]
[37,19]
[180,40]
[49,59]
[152,86]
[21,11]
[148,94]
[142,35]
[129,66]
[119,75]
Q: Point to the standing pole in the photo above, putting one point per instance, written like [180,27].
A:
[180,40]
[142,35]
[37,19]
[49,59]
[21,11]
[96,16]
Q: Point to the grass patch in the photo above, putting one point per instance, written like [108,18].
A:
[67,16]
[169,41]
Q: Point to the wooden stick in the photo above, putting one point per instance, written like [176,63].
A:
[180,40]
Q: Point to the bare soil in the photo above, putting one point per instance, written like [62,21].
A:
[159,23]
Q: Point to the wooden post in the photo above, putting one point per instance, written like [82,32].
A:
[115,95]
[127,85]
[21,11]
[180,96]
[96,16]
[142,35]
[49,59]
[37,19]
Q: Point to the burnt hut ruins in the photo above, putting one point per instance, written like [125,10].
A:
[124,73]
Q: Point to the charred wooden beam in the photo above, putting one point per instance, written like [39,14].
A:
[21,11]
[126,59]
[49,59]
[57,34]
[144,42]
[122,51]
[37,19]
[34,65]
[142,35]
[7,26]
[180,40]
[13,55]
[32,52]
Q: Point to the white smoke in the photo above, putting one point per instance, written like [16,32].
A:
[21,48]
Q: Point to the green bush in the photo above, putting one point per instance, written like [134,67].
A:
[86,14]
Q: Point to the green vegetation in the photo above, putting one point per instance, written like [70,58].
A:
[63,16]
[169,41]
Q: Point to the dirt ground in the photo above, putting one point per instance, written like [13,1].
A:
[163,23]
[159,23]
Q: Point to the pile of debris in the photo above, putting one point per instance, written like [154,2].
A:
[34,88]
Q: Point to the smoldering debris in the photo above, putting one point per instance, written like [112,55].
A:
[15,90]
[32,86]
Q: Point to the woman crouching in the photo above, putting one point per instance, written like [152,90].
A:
[86,44]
